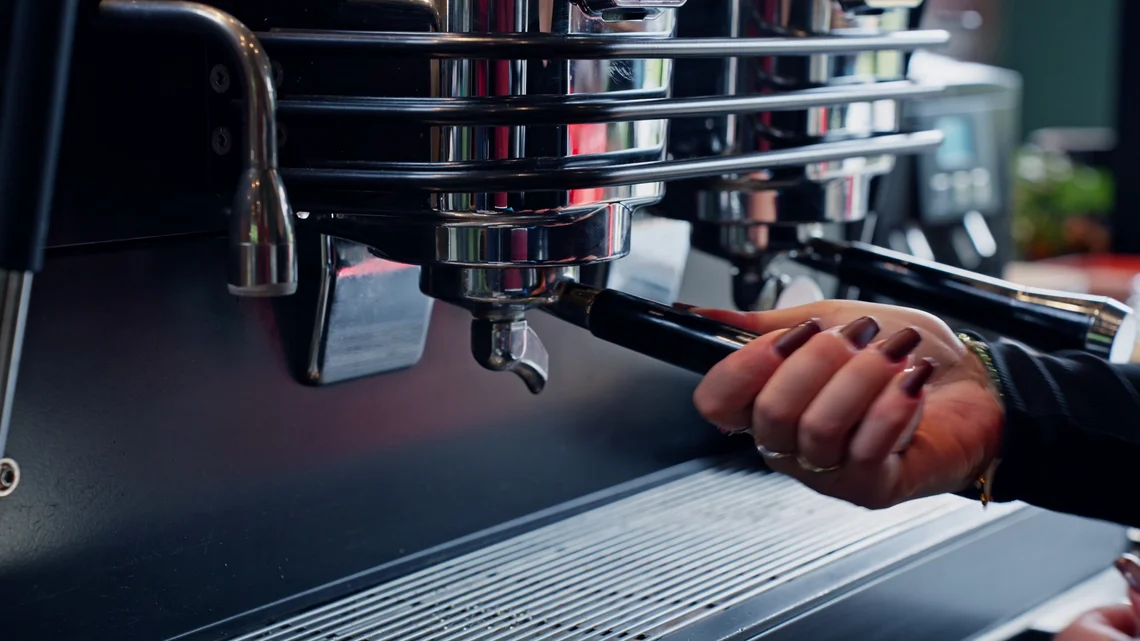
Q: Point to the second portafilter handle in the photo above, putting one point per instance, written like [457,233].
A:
[1045,319]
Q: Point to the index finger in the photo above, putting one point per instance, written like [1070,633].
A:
[726,394]
[1111,623]
[765,322]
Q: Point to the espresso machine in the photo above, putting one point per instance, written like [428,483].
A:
[238,410]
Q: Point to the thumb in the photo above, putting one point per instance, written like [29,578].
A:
[763,322]
[1129,567]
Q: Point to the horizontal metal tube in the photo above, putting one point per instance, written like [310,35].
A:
[545,46]
[541,176]
[554,110]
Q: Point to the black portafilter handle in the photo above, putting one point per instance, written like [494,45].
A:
[1046,319]
[665,333]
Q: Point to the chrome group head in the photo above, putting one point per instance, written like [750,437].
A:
[550,127]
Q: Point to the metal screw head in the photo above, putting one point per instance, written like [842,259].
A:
[9,476]
[222,141]
[220,78]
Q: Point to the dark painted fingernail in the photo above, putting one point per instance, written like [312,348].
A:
[684,307]
[1129,566]
[795,338]
[914,381]
[735,431]
[861,332]
[899,346]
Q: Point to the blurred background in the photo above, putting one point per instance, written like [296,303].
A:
[1074,201]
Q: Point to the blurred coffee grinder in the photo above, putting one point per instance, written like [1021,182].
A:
[954,205]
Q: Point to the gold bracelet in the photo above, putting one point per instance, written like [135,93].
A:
[984,482]
[982,351]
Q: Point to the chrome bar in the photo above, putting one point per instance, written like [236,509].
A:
[15,292]
[550,110]
[532,176]
[545,46]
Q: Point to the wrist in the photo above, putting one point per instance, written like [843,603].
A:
[982,371]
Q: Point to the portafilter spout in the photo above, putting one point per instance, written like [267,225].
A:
[1045,319]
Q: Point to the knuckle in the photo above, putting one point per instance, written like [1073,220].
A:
[861,456]
[831,350]
[820,430]
[772,414]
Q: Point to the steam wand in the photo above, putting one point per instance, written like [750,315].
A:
[31,121]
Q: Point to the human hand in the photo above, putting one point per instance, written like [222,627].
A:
[1113,623]
[872,404]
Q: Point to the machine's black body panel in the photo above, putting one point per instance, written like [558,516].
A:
[175,473]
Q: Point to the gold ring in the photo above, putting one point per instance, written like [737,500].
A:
[773,456]
[815,469]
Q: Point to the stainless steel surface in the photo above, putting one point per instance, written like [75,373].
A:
[648,566]
[501,338]
[15,293]
[836,191]
[476,263]
[371,317]
[263,259]
[504,47]
[547,110]
[491,240]
[511,346]
[494,293]
[1105,589]
[472,78]
[1112,332]
[878,5]
[604,7]
[527,177]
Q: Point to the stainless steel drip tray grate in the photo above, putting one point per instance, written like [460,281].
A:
[639,568]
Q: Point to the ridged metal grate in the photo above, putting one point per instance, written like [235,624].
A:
[639,568]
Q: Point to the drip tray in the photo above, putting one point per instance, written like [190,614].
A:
[640,568]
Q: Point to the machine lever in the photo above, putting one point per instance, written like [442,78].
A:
[1045,319]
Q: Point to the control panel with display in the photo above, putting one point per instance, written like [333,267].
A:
[963,176]
[952,205]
